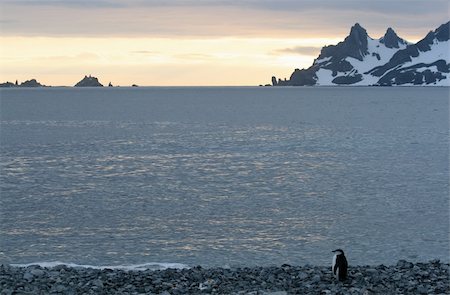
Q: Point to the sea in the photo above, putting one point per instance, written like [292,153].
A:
[157,177]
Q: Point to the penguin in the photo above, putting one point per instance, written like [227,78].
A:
[340,265]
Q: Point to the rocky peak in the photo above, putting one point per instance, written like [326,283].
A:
[357,38]
[89,81]
[355,45]
[443,32]
[391,40]
[357,33]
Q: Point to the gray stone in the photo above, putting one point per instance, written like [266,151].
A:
[59,288]
[404,264]
[422,290]
[37,272]
[286,280]
[97,283]
[53,274]
[316,278]
[28,276]
[302,276]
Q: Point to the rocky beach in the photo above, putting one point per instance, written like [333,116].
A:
[402,278]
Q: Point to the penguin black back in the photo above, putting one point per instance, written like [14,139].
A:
[340,265]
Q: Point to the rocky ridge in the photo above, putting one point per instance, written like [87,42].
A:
[361,60]
[28,83]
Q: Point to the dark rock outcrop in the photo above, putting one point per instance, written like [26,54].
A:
[31,83]
[391,40]
[89,81]
[7,84]
[355,45]
[303,77]
[274,81]
[347,80]
[28,83]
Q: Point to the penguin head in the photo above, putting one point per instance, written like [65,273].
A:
[338,251]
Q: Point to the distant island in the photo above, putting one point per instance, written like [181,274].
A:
[360,60]
[89,81]
[28,83]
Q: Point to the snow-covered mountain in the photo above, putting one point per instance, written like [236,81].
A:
[390,60]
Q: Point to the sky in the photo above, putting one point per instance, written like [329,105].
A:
[190,42]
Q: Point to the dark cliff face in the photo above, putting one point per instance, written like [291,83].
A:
[354,45]
[304,77]
[391,40]
[443,32]
[440,34]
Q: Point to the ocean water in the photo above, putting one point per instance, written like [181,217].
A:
[217,176]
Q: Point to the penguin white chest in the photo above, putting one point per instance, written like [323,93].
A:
[336,274]
[334,261]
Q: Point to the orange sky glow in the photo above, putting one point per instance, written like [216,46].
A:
[177,43]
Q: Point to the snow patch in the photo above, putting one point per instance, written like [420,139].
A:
[423,69]
[324,77]
[439,50]
[322,60]
[376,50]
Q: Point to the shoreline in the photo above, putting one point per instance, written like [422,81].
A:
[402,278]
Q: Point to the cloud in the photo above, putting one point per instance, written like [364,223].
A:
[219,18]
[64,3]
[194,56]
[385,6]
[84,56]
[379,6]
[300,50]
[145,52]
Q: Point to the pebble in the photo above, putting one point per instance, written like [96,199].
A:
[28,276]
[402,278]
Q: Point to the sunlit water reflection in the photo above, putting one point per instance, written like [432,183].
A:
[224,176]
